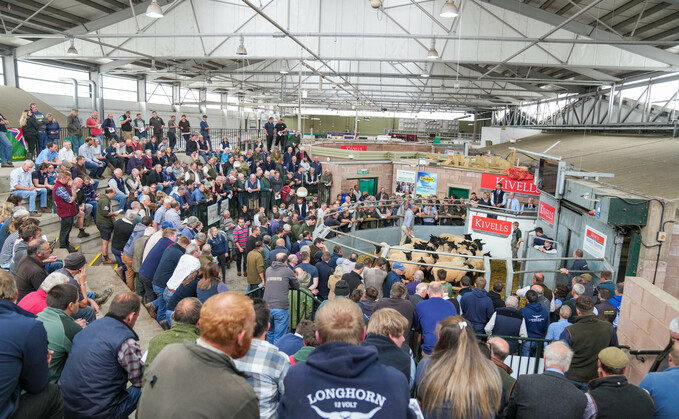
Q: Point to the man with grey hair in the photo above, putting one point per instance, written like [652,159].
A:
[188,263]
[544,302]
[184,327]
[172,215]
[21,183]
[508,321]
[159,216]
[527,399]
[421,291]
[118,185]
[577,291]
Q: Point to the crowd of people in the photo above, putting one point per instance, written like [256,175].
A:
[331,334]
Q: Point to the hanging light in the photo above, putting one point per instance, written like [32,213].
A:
[375,4]
[432,54]
[443,86]
[241,48]
[284,68]
[425,72]
[71,50]
[449,10]
[154,11]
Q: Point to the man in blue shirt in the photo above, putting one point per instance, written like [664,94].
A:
[96,167]
[429,312]
[555,329]
[664,386]
[205,128]
[394,276]
[269,127]
[48,155]
[513,205]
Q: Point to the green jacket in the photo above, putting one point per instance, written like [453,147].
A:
[177,334]
[61,329]
[303,353]
[301,305]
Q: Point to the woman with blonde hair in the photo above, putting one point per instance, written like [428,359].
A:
[457,381]
[5,212]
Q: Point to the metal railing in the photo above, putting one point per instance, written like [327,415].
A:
[521,364]
[303,304]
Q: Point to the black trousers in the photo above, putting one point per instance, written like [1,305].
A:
[32,143]
[222,264]
[280,142]
[269,142]
[241,260]
[148,288]
[48,404]
[66,226]
[172,139]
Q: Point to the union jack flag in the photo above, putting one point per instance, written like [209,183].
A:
[18,134]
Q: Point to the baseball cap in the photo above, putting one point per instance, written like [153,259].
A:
[399,266]
[166,224]
[74,261]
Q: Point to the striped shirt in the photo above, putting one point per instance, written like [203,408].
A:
[240,236]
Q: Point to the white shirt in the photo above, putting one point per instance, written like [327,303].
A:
[187,264]
[21,178]
[66,155]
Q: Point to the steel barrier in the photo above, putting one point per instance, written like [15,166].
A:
[303,304]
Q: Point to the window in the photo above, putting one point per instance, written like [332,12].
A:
[214,97]
[119,88]
[158,93]
[43,78]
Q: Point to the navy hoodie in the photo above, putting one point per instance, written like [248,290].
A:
[536,318]
[477,307]
[343,380]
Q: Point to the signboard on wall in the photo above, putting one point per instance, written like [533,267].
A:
[489,181]
[546,212]
[405,181]
[426,184]
[491,225]
[594,242]
[355,147]
[213,214]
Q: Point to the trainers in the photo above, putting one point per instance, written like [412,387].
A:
[83,234]
[101,299]
[151,309]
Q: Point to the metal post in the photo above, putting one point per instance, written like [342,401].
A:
[509,282]
[486,268]
[611,103]
[299,100]
[9,70]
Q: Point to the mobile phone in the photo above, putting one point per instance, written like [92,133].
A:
[53,243]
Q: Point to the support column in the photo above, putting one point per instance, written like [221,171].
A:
[9,70]
[611,103]
[176,98]
[202,98]
[141,94]
[97,93]
[225,112]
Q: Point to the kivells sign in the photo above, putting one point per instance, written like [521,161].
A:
[489,181]
[355,147]
[546,212]
[491,225]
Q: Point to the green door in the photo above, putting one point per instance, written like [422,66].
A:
[458,192]
[368,185]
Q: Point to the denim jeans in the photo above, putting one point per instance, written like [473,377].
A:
[95,169]
[279,320]
[76,142]
[119,259]
[31,195]
[527,346]
[167,296]
[42,140]
[203,155]
[159,303]
[252,287]
[122,200]
[129,403]
[53,266]
[5,148]
[86,313]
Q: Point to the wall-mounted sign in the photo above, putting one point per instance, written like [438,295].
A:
[491,225]
[213,214]
[594,243]
[546,212]
[426,184]
[489,181]
[405,181]
[355,147]
[362,172]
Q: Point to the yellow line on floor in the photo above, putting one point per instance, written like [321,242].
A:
[95,259]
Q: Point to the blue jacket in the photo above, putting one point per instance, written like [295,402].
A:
[50,127]
[662,386]
[344,380]
[87,391]
[537,320]
[167,263]
[23,356]
[616,300]
[276,251]
[391,279]
[428,314]
[290,343]
[508,323]
[324,272]
[219,244]
[477,307]
[152,261]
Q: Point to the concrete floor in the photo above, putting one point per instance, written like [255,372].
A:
[646,164]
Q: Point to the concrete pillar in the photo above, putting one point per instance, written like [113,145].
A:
[202,97]
[141,95]
[97,78]
[9,70]
[176,98]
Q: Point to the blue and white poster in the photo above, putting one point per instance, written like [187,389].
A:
[426,184]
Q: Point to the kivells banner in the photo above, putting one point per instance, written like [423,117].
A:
[355,147]
[546,212]
[491,225]
[489,181]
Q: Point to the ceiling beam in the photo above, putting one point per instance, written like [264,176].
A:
[585,30]
[595,74]
[87,27]
[92,4]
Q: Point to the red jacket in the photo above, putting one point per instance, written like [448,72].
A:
[64,208]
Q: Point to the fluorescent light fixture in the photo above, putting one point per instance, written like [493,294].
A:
[449,10]
[154,11]
[71,50]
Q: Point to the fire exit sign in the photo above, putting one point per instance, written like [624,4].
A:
[363,172]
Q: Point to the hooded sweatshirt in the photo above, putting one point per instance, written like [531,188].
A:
[536,318]
[138,231]
[478,308]
[344,380]
[279,279]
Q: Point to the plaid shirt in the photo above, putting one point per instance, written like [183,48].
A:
[129,357]
[267,367]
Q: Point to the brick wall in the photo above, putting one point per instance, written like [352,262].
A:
[645,315]
[672,269]
[447,177]
[344,175]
